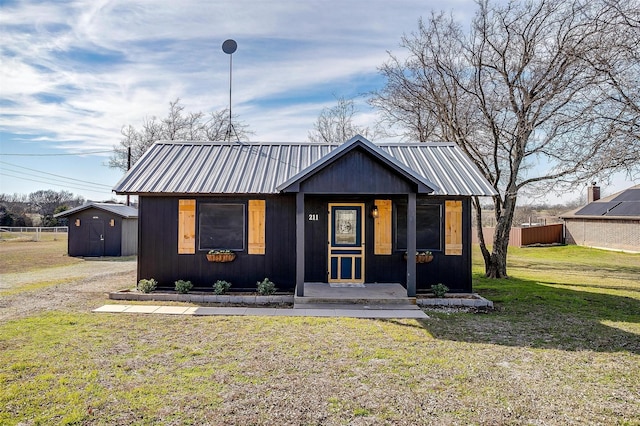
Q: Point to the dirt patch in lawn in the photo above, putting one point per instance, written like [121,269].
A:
[64,283]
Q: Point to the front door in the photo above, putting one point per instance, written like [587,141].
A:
[96,238]
[346,243]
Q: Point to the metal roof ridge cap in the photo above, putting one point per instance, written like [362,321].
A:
[416,143]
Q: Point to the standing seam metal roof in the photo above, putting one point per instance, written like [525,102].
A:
[121,210]
[189,167]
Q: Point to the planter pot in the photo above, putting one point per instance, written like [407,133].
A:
[221,257]
[422,258]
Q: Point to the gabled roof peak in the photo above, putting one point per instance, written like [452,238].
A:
[356,142]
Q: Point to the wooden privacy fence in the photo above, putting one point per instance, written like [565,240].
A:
[520,237]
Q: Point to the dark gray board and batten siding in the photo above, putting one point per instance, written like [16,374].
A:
[160,260]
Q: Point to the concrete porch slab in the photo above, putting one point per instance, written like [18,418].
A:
[353,306]
[372,294]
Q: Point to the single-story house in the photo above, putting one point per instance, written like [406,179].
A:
[612,222]
[305,212]
[102,229]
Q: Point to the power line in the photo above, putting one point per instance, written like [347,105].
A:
[59,155]
[57,185]
[52,174]
[59,181]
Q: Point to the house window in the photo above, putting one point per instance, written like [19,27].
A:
[428,227]
[221,226]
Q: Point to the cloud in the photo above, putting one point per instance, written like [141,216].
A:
[73,73]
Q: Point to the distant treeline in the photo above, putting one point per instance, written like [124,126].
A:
[37,208]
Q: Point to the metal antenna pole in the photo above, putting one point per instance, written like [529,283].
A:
[228,47]
[230,81]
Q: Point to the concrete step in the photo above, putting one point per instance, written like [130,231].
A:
[373,294]
[394,302]
[358,306]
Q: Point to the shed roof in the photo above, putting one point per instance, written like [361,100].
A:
[621,205]
[189,167]
[121,210]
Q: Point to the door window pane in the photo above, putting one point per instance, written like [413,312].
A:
[346,225]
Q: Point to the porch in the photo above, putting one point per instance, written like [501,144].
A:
[376,296]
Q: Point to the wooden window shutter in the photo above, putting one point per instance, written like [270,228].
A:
[382,228]
[256,227]
[453,228]
[186,226]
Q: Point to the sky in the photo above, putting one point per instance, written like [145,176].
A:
[73,73]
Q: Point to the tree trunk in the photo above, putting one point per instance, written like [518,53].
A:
[483,246]
[495,262]
[497,265]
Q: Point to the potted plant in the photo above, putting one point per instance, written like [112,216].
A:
[221,256]
[422,256]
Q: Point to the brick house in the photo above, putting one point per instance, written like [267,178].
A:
[611,223]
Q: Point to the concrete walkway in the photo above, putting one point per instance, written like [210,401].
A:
[348,311]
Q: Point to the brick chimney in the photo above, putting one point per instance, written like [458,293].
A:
[593,193]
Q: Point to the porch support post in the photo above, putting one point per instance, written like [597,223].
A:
[300,244]
[411,245]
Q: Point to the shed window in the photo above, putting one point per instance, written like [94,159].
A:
[428,227]
[221,226]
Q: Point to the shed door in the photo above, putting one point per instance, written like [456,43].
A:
[346,243]
[96,238]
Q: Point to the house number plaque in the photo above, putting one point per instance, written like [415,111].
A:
[314,217]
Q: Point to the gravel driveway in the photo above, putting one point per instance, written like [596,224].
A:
[81,286]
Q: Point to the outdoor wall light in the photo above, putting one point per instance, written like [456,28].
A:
[112,222]
[374,212]
[77,222]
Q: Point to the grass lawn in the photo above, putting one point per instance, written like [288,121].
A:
[20,253]
[562,347]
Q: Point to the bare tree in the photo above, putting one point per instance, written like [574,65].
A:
[535,93]
[15,207]
[178,125]
[335,124]
[48,202]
